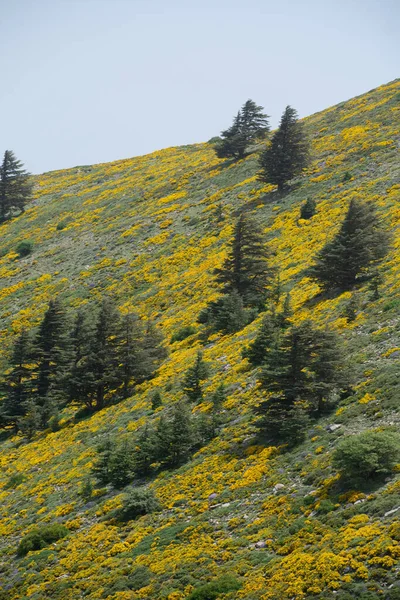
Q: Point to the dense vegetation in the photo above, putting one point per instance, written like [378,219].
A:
[228,468]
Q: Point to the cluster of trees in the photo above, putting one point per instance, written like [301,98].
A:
[15,186]
[167,444]
[91,362]
[249,125]
[286,154]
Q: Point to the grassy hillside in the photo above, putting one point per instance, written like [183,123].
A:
[147,232]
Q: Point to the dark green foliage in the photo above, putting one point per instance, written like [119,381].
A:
[358,246]
[288,153]
[375,283]
[350,309]
[266,339]
[246,270]
[367,455]
[156,400]
[102,362]
[346,177]
[145,451]
[307,365]
[14,481]
[32,419]
[215,589]
[41,537]
[308,209]
[17,385]
[175,436]
[227,314]
[137,502]
[24,249]
[194,378]
[86,490]
[183,333]
[249,125]
[282,423]
[61,225]
[15,186]
[115,464]
[52,356]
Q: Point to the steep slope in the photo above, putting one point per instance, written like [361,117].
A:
[149,232]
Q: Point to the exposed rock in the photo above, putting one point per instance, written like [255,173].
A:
[212,496]
[260,544]
[277,487]
[391,512]
[333,427]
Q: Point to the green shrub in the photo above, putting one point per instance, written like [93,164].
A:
[139,501]
[214,589]
[24,249]
[61,225]
[41,537]
[14,481]
[308,209]
[368,455]
[346,177]
[183,333]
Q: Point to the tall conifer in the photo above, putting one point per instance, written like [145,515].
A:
[288,153]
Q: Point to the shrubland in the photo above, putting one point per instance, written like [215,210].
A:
[233,462]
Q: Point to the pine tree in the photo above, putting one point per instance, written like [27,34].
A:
[353,253]
[101,466]
[288,154]
[228,314]
[194,378]
[246,270]
[31,421]
[81,380]
[18,381]
[15,187]
[145,451]
[52,355]
[131,351]
[306,366]
[249,125]
[121,465]
[266,339]
[153,352]
[181,435]
[103,360]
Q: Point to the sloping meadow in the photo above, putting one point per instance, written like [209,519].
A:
[149,231]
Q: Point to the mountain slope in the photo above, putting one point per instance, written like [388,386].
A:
[149,231]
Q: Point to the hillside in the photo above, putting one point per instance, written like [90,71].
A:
[149,231]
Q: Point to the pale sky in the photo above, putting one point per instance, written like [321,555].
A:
[88,81]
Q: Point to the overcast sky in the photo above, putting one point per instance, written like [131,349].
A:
[88,81]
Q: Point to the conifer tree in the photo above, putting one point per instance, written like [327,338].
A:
[246,270]
[101,466]
[308,209]
[132,359]
[52,355]
[17,386]
[145,451]
[360,244]
[266,339]
[288,154]
[306,366]
[15,186]
[103,360]
[194,378]
[32,420]
[249,124]
[153,352]
[156,400]
[80,380]
[181,435]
